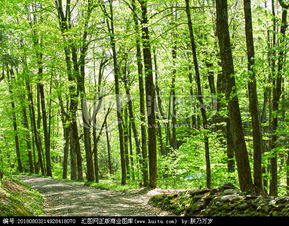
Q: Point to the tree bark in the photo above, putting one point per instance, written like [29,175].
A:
[253,97]
[110,25]
[108,150]
[144,158]
[28,137]
[34,127]
[132,123]
[45,130]
[150,96]
[277,90]
[81,86]
[200,94]
[64,18]
[243,166]
[10,75]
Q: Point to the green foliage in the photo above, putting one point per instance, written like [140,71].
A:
[23,22]
[189,160]
[115,186]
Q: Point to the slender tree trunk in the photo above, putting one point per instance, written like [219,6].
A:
[193,118]
[144,159]
[64,17]
[45,130]
[243,166]
[14,120]
[38,122]
[108,150]
[160,115]
[125,137]
[81,85]
[95,151]
[37,42]
[28,138]
[277,84]
[65,126]
[34,128]
[221,89]
[65,151]
[110,25]
[40,88]
[173,140]
[253,97]
[131,159]
[200,94]
[150,96]
[132,120]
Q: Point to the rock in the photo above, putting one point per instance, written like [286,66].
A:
[272,203]
[232,197]
[226,201]
[280,200]
[199,192]
[230,191]
[242,206]
[227,186]
[250,197]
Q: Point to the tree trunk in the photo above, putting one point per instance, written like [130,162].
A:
[34,128]
[144,158]
[243,166]
[277,84]
[110,25]
[150,96]
[125,137]
[131,159]
[193,118]
[64,17]
[95,151]
[65,126]
[65,151]
[108,150]
[28,138]
[45,130]
[132,119]
[253,97]
[200,94]
[14,119]
[173,140]
[160,115]
[81,86]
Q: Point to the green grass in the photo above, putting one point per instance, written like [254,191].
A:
[113,186]
[18,199]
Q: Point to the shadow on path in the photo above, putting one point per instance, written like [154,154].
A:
[74,199]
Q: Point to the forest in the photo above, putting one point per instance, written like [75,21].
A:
[174,94]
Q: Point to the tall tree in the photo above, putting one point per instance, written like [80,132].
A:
[243,166]
[143,157]
[277,91]
[64,18]
[253,97]
[79,69]
[110,25]
[200,93]
[150,95]
[11,77]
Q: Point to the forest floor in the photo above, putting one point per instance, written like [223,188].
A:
[74,199]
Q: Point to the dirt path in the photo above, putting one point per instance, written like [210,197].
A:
[74,199]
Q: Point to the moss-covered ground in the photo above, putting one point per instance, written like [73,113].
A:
[18,199]
[221,202]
